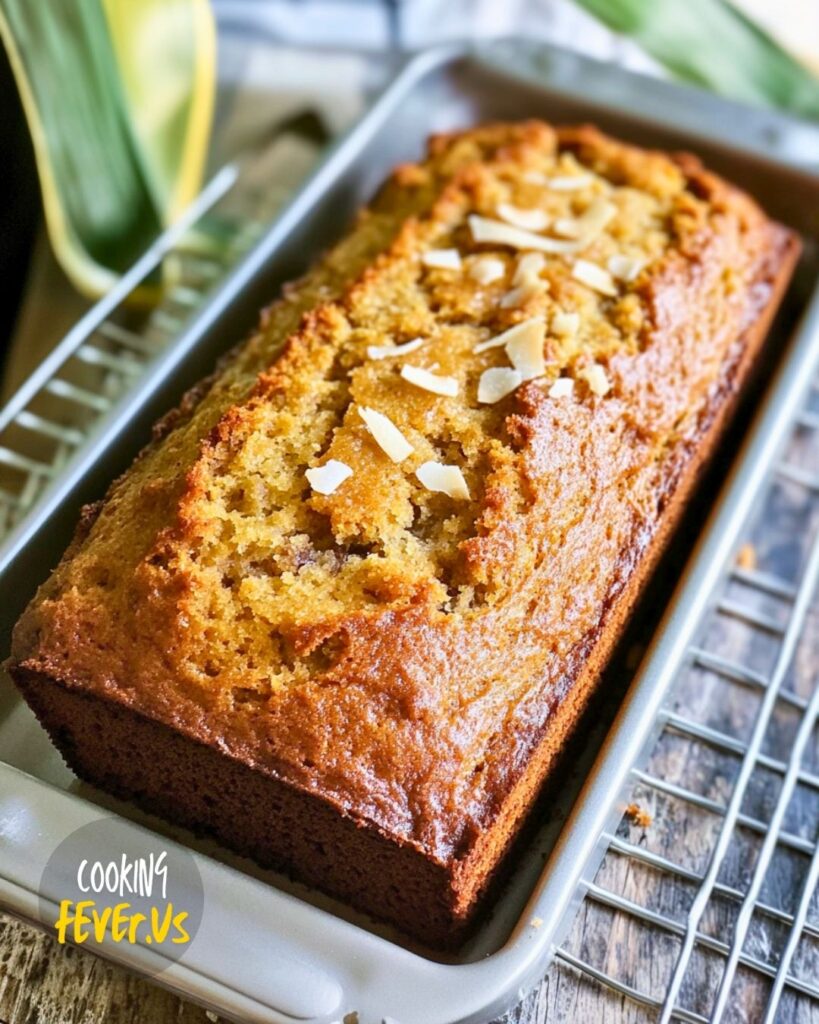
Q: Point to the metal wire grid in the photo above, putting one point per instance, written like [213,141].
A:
[55,410]
[52,414]
[791,772]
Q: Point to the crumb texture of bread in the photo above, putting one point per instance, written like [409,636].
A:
[409,659]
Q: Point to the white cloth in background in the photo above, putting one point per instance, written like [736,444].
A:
[282,57]
[370,24]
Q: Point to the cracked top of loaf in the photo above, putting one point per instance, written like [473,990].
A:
[391,632]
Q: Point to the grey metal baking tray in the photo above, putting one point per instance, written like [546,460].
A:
[268,950]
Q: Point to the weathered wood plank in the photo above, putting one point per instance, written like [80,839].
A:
[42,982]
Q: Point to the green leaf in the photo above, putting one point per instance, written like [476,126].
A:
[116,160]
[710,43]
[166,58]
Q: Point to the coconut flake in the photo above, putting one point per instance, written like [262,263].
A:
[515,298]
[430,381]
[566,325]
[525,351]
[484,229]
[594,276]
[529,267]
[442,259]
[385,434]
[535,178]
[567,227]
[589,224]
[487,269]
[393,351]
[625,268]
[443,479]
[531,220]
[527,280]
[597,379]
[497,383]
[570,182]
[328,478]
[563,387]
[507,336]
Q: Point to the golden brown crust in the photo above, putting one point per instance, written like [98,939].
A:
[412,660]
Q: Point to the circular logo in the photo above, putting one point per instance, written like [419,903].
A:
[107,887]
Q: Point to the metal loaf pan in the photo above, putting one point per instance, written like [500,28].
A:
[270,951]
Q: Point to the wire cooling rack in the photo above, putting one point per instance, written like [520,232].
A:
[56,409]
[708,890]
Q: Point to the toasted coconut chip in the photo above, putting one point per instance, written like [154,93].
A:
[527,281]
[530,220]
[566,227]
[535,178]
[566,325]
[625,268]
[597,379]
[430,381]
[442,259]
[525,351]
[443,479]
[484,229]
[518,296]
[507,336]
[597,215]
[393,351]
[563,387]
[385,434]
[497,383]
[594,276]
[328,478]
[570,182]
[529,267]
[589,224]
[487,269]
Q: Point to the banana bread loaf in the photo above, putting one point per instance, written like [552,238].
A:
[345,609]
